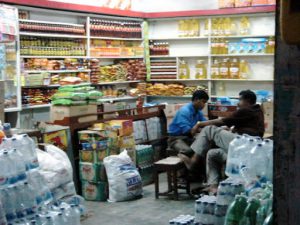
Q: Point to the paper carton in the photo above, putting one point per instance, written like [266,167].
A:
[95,191]
[61,112]
[124,127]
[126,142]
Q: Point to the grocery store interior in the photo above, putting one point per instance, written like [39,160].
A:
[123,112]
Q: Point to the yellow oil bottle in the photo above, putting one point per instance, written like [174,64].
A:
[206,27]
[224,69]
[227,26]
[270,47]
[214,27]
[244,69]
[244,26]
[184,70]
[215,70]
[201,72]
[234,69]
[180,28]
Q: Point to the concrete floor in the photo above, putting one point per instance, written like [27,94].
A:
[144,211]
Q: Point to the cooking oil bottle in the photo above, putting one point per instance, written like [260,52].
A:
[180,28]
[234,69]
[220,26]
[214,27]
[244,26]
[227,26]
[224,69]
[184,70]
[270,48]
[206,27]
[196,27]
[201,72]
[244,69]
[215,70]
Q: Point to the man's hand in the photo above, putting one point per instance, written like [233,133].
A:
[196,128]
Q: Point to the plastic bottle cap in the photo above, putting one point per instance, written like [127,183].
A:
[259,145]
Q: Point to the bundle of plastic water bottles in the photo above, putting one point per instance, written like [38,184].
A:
[183,220]
[24,196]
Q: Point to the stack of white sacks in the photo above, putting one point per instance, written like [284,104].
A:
[36,187]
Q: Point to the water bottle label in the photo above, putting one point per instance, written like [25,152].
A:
[3,181]
[22,177]
[10,216]
[21,214]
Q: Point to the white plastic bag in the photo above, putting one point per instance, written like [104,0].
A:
[124,180]
[55,166]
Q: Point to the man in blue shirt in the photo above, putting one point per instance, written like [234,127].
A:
[186,123]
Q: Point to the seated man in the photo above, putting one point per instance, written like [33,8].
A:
[248,119]
[184,125]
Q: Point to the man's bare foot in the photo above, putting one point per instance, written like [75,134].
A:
[186,160]
[212,189]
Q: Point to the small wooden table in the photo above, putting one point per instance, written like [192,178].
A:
[171,165]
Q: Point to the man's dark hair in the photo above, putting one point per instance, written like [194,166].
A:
[200,94]
[249,96]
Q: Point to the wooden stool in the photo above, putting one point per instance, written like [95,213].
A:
[171,165]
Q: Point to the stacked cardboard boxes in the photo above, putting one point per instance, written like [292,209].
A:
[94,148]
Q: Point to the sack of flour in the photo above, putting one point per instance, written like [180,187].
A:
[125,182]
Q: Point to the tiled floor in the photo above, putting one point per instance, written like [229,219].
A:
[144,211]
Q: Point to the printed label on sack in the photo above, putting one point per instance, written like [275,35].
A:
[133,183]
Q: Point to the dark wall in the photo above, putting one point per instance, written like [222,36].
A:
[287,132]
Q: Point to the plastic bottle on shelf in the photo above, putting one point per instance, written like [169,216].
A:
[221,89]
[234,69]
[244,69]
[206,27]
[184,71]
[227,26]
[245,26]
[224,69]
[214,27]
[201,72]
[270,47]
[180,28]
[215,70]
[221,26]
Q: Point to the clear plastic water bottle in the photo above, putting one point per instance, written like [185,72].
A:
[20,201]
[8,199]
[48,221]
[66,215]
[10,165]
[30,199]
[4,170]
[268,144]
[3,220]
[75,214]
[29,148]
[233,156]
[19,165]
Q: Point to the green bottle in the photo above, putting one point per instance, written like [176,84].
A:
[236,210]
[269,219]
[250,212]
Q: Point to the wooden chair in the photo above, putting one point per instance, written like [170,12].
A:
[171,166]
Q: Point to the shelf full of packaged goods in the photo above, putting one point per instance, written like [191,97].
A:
[163,67]
[117,82]
[42,86]
[245,36]
[160,96]
[245,55]
[177,38]
[125,98]
[33,34]
[244,80]
[37,106]
[52,23]
[116,57]
[177,80]
[53,57]
[222,96]
[116,38]
[57,71]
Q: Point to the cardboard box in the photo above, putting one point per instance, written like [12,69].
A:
[61,112]
[95,156]
[93,172]
[126,142]
[87,156]
[90,135]
[95,191]
[124,127]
